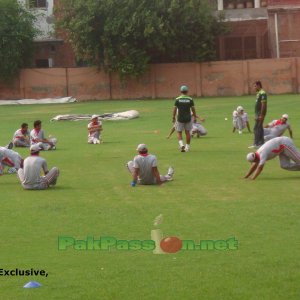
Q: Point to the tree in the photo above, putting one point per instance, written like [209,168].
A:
[126,35]
[16,38]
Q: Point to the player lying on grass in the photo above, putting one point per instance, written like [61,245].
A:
[144,170]
[283,147]
[277,128]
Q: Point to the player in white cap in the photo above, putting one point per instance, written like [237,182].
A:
[94,129]
[37,135]
[144,169]
[240,120]
[277,128]
[283,147]
[29,175]
[11,159]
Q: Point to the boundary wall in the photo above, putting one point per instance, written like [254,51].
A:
[221,78]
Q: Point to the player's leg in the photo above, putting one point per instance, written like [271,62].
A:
[187,127]
[292,152]
[52,176]
[130,167]
[202,130]
[287,164]
[20,174]
[179,128]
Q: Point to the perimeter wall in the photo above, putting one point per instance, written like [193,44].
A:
[222,78]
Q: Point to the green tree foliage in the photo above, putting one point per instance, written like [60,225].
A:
[126,35]
[16,38]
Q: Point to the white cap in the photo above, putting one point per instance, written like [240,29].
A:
[141,147]
[36,147]
[240,108]
[286,116]
[251,156]
[94,117]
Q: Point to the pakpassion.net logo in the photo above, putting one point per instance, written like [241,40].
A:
[157,244]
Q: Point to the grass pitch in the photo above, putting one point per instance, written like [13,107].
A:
[208,200]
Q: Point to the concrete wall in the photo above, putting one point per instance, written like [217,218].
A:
[225,78]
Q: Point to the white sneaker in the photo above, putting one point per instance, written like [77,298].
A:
[182,148]
[253,147]
[171,171]
[240,131]
[187,148]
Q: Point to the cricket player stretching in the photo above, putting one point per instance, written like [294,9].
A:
[30,174]
[277,128]
[283,147]
[144,170]
[11,159]
[21,137]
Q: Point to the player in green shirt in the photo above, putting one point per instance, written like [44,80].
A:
[183,107]
[260,113]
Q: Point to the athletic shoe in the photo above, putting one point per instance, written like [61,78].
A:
[240,131]
[187,148]
[171,171]
[10,145]
[182,148]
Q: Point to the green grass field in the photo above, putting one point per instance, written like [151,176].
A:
[208,200]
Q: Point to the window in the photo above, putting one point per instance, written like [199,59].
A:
[37,3]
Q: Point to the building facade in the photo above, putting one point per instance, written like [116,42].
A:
[259,29]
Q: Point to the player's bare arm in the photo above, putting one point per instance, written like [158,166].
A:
[174,114]
[261,117]
[252,169]
[258,171]
[135,175]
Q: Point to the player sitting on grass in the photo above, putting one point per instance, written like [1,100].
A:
[144,170]
[37,135]
[94,128]
[21,137]
[29,175]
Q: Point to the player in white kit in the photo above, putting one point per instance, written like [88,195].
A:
[21,137]
[240,120]
[37,135]
[144,169]
[198,129]
[30,176]
[94,129]
[283,147]
[11,159]
[277,128]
